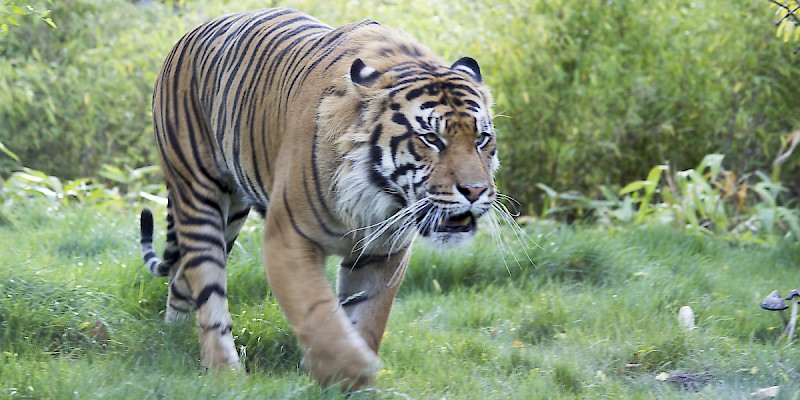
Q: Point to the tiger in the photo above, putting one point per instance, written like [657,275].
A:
[349,141]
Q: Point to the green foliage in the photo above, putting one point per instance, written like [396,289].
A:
[614,86]
[126,187]
[75,98]
[788,19]
[708,198]
[12,11]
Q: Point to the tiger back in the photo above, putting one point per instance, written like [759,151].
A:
[350,141]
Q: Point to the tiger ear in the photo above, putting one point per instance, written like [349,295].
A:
[470,66]
[363,75]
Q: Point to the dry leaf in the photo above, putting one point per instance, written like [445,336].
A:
[99,331]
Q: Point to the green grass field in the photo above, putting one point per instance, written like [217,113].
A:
[595,317]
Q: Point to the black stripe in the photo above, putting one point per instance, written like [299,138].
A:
[300,35]
[179,309]
[333,44]
[171,135]
[146,226]
[414,93]
[238,37]
[241,49]
[171,255]
[316,213]
[223,328]
[367,259]
[402,170]
[315,175]
[429,104]
[243,213]
[351,300]
[203,221]
[453,86]
[376,156]
[198,260]
[229,245]
[192,132]
[206,293]
[163,269]
[211,239]
[279,37]
[176,293]
[294,223]
[412,149]
[218,53]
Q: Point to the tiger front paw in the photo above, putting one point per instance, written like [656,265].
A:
[349,367]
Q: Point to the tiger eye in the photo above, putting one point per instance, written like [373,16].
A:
[484,138]
[431,137]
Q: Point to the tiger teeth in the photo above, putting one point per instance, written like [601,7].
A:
[461,222]
[456,222]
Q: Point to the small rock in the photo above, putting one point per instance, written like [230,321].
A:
[686,317]
[690,381]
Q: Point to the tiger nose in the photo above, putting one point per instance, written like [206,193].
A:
[472,192]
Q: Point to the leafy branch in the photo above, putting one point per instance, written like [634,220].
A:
[12,11]
[789,22]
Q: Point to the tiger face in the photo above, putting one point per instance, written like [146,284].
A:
[430,151]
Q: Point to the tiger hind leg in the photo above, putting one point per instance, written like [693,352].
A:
[201,233]
[237,214]
[203,240]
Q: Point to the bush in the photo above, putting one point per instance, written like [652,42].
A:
[610,88]
[74,98]
[588,93]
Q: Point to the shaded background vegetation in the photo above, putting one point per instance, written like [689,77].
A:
[588,93]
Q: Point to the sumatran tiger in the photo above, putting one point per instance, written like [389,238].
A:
[350,141]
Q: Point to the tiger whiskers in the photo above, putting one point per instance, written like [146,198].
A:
[403,235]
[400,272]
[496,232]
[500,222]
[405,216]
[402,220]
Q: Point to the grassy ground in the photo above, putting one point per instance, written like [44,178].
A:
[595,318]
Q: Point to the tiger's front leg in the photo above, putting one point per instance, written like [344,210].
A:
[334,352]
[367,286]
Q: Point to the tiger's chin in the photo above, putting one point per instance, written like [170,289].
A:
[450,231]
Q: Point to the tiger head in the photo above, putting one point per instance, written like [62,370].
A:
[423,151]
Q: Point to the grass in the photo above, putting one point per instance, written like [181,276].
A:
[595,318]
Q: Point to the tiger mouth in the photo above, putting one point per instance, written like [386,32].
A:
[458,223]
